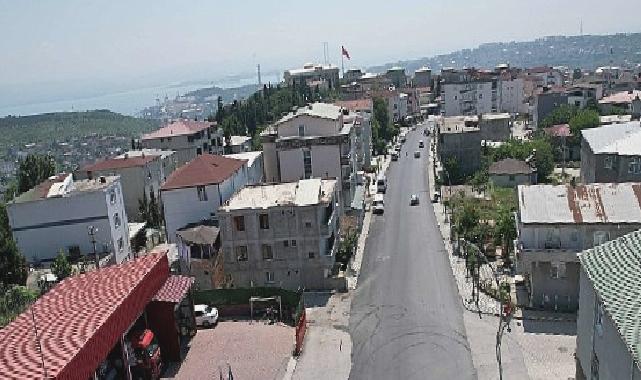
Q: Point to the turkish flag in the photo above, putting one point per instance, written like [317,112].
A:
[345,53]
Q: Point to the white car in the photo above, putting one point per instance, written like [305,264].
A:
[205,315]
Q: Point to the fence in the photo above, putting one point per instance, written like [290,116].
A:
[301,328]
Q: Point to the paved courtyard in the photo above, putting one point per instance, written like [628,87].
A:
[253,350]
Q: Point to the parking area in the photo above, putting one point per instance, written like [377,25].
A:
[254,350]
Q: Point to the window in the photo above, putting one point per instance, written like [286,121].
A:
[307,163]
[634,166]
[241,253]
[112,197]
[557,270]
[301,130]
[269,277]
[268,254]
[512,177]
[116,220]
[202,194]
[308,224]
[264,221]
[601,237]
[574,235]
[608,162]
[149,175]
[239,223]
[293,243]
[286,243]
[480,96]
[121,244]
[311,254]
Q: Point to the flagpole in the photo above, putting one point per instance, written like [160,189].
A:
[342,62]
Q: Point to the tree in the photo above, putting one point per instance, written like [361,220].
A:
[505,231]
[61,266]
[583,119]
[382,117]
[560,115]
[521,150]
[13,266]
[149,210]
[33,170]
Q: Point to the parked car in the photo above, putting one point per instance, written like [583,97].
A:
[417,154]
[421,144]
[205,315]
[378,205]
[394,156]
[414,200]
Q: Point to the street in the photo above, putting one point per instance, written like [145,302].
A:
[406,315]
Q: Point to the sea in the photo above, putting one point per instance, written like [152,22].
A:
[129,102]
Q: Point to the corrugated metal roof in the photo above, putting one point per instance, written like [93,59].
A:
[595,203]
[622,139]
[613,268]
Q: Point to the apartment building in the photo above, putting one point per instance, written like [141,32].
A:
[167,158]
[396,75]
[459,141]
[312,72]
[283,235]
[187,138]
[141,176]
[193,193]
[58,215]
[607,336]
[361,110]
[611,153]
[422,77]
[555,223]
[255,167]
[315,141]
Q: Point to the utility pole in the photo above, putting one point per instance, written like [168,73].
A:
[260,82]
[92,234]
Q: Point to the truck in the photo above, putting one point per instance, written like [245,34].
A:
[146,351]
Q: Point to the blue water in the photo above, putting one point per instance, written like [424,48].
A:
[125,102]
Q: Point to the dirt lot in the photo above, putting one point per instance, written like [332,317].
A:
[254,351]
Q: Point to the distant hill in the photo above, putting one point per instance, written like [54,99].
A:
[228,94]
[15,131]
[587,52]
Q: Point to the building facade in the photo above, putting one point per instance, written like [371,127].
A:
[315,141]
[611,153]
[255,167]
[283,235]
[140,177]
[459,141]
[555,223]
[193,193]
[313,73]
[58,214]
[187,138]
[607,337]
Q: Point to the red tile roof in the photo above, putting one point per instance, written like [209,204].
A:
[119,163]
[178,128]
[355,105]
[174,289]
[80,320]
[559,130]
[206,169]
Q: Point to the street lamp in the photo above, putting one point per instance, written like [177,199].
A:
[91,230]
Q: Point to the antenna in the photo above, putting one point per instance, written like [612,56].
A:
[260,82]
[325,52]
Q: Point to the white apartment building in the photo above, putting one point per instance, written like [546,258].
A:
[255,167]
[361,110]
[187,138]
[58,213]
[512,96]
[194,192]
[469,98]
[167,158]
[312,142]
[141,176]
[283,235]
[313,73]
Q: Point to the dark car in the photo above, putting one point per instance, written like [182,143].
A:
[414,200]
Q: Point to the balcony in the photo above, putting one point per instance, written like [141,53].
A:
[345,158]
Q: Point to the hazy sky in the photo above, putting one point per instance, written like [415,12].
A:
[111,42]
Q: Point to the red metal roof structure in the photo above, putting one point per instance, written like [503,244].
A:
[80,320]
[205,169]
[174,289]
[119,163]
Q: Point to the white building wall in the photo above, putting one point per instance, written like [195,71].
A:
[43,227]
[512,96]
[326,161]
[182,206]
[314,126]
[270,162]
[291,164]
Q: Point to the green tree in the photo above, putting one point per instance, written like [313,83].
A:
[583,119]
[13,266]
[505,230]
[521,150]
[33,170]
[61,266]
[149,210]
[560,115]
[14,299]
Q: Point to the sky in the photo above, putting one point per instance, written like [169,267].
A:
[66,46]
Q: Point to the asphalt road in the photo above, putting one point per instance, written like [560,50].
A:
[406,316]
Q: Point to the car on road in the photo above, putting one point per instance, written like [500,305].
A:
[421,144]
[417,154]
[206,315]
[414,200]
[395,156]
[378,205]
